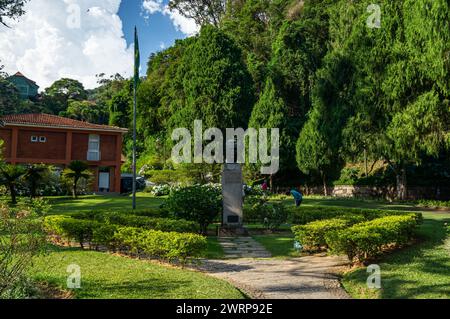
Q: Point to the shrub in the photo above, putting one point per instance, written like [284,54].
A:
[105,235]
[196,203]
[163,224]
[259,210]
[165,245]
[21,239]
[72,229]
[312,235]
[367,240]
[305,215]
[154,243]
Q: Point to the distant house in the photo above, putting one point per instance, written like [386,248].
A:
[54,140]
[28,89]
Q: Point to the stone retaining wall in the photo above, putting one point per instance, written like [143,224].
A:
[389,192]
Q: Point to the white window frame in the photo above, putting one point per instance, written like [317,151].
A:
[34,139]
[42,139]
[93,154]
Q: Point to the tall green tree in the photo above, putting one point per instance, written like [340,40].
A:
[216,84]
[56,97]
[270,112]
[202,11]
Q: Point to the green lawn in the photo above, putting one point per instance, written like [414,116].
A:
[115,277]
[419,271]
[214,250]
[279,245]
[62,205]
[355,203]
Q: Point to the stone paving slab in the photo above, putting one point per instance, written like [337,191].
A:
[242,247]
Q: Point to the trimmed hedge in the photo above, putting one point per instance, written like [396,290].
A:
[158,244]
[305,215]
[154,223]
[312,235]
[366,240]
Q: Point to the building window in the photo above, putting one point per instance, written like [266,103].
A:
[94,148]
[42,139]
[34,139]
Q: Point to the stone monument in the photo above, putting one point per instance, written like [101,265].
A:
[232,190]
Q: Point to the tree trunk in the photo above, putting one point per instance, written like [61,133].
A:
[12,190]
[74,188]
[271,183]
[365,162]
[401,184]
[324,179]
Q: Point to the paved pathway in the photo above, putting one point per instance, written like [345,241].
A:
[242,247]
[248,267]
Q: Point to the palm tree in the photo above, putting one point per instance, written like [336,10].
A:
[76,171]
[34,174]
[10,176]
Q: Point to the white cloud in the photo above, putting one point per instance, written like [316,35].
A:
[46,43]
[152,6]
[181,23]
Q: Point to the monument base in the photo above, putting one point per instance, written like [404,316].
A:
[230,231]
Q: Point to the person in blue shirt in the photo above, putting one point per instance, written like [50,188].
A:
[297,196]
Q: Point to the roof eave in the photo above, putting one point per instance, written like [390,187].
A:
[63,127]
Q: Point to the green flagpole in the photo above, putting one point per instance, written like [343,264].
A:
[136,82]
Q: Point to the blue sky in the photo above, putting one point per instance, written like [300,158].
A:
[156,31]
[79,39]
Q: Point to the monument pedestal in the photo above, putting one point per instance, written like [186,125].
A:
[233,200]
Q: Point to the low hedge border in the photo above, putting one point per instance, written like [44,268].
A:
[154,243]
[154,223]
[365,241]
[305,215]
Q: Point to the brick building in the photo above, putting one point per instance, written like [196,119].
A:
[49,139]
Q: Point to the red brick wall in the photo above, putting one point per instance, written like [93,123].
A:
[5,136]
[54,148]
[79,146]
[108,147]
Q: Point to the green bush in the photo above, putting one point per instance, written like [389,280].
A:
[72,229]
[162,224]
[258,209]
[312,235]
[366,240]
[154,243]
[105,236]
[199,203]
[159,244]
[305,215]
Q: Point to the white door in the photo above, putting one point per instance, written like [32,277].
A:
[103,182]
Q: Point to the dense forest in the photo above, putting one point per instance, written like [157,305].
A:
[359,98]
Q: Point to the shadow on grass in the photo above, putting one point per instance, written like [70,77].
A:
[152,288]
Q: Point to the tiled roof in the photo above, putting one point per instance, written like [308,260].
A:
[47,120]
[19,74]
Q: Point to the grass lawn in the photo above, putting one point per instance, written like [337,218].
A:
[419,271]
[279,245]
[114,277]
[62,205]
[214,250]
[355,203]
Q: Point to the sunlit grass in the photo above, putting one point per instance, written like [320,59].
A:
[114,277]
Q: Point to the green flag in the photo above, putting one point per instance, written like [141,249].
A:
[137,58]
